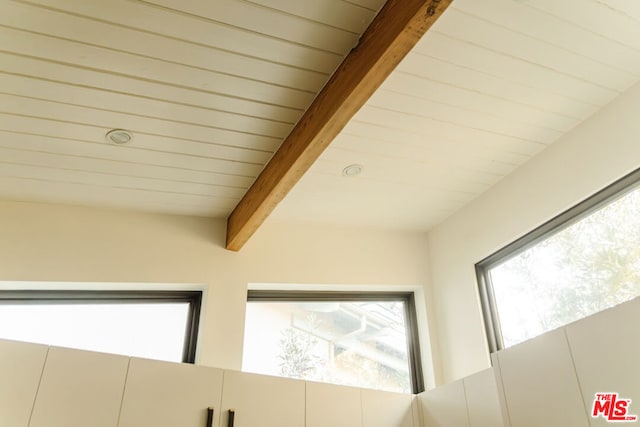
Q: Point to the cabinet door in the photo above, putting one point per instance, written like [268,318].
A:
[540,383]
[483,401]
[80,389]
[262,401]
[445,406]
[20,370]
[163,394]
[333,405]
[383,409]
[606,351]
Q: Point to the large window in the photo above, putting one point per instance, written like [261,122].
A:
[583,261]
[157,325]
[358,339]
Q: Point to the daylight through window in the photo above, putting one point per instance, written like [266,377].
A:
[364,340]
[154,325]
[582,262]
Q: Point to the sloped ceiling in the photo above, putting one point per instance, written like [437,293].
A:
[491,85]
[211,88]
[208,88]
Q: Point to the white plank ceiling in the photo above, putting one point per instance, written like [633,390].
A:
[211,87]
[208,87]
[491,85]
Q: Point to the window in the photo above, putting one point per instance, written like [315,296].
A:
[157,325]
[358,339]
[583,261]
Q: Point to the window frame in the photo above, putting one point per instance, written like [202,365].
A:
[600,199]
[44,297]
[411,318]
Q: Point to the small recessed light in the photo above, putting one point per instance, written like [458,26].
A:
[352,170]
[119,136]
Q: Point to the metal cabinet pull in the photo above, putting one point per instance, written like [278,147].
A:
[232,415]
[209,417]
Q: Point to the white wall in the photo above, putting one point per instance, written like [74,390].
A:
[40,242]
[596,153]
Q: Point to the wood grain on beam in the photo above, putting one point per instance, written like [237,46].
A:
[392,34]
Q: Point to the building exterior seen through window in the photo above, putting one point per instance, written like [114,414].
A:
[582,262]
[363,343]
[154,325]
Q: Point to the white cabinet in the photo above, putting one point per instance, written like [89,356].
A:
[262,401]
[483,402]
[471,402]
[384,409]
[332,405]
[445,406]
[20,370]
[80,389]
[540,384]
[163,394]
[606,350]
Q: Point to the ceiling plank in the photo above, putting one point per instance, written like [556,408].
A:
[392,34]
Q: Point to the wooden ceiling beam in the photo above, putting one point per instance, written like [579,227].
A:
[392,34]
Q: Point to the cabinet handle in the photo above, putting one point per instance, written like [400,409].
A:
[232,415]
[209,417]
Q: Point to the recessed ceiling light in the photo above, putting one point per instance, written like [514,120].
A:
[119,136]
[352,170]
